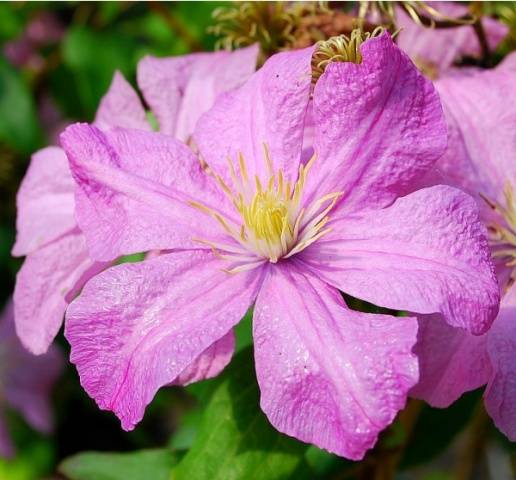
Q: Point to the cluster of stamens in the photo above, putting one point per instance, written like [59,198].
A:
[274,223]
[342,48]
[502,233]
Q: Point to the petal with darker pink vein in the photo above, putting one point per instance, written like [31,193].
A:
[135,189]
[379,126]
[329,375]
[426,253]
[269,108]
[163,314]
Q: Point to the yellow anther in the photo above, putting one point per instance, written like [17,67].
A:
[274,224]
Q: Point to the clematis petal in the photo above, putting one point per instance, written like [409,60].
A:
[121,107]
[329,375]
[27,383]
[508,63]
[451,361]
[378,127]
[482,132]
[45,201]
[129,342]
[134,191]
[43,286]
[427,253]
[180,89]
[440,48]
[269,108]
[210,363]
[500,396]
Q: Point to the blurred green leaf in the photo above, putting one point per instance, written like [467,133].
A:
[19,127]
[11,21]
[133,258]
[35,453]
[324,463]
[198,20]
[92,57]
[244,332]
[142,465]
[438,476]
[437,427]
[235,440]
[186,433]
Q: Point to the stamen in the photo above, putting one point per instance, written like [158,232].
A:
[245,267]
[502,232]
[340,49]
[274,224]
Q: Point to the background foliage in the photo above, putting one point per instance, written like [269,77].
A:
[213,430]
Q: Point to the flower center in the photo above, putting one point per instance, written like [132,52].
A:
[502,232]
[274,222]
[342,48]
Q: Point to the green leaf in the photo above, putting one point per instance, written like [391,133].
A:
[235,440]
[93,57]
[244,332]
[325,464]
[19,127]
[141,465]
[11,21]
[132,258]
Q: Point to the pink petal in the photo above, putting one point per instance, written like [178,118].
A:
[508,63]
[482,132]
[210,363]
[121,107]
[379,126]
[451,361]
[43,284]
[27,382]
[426,253]
[269,108]
[136,327]
[329,375]
[500,396]
[45,201]
[442,47]
[180,89]
[135,190]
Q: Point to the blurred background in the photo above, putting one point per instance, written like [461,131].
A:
[56,61]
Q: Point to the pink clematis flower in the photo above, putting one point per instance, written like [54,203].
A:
[259,226]
[436,50]
[58,262]
[480,159]
[25,381]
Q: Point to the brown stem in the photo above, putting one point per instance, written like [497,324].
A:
[429,22]
[473,449]
[176,25]
[484,46]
